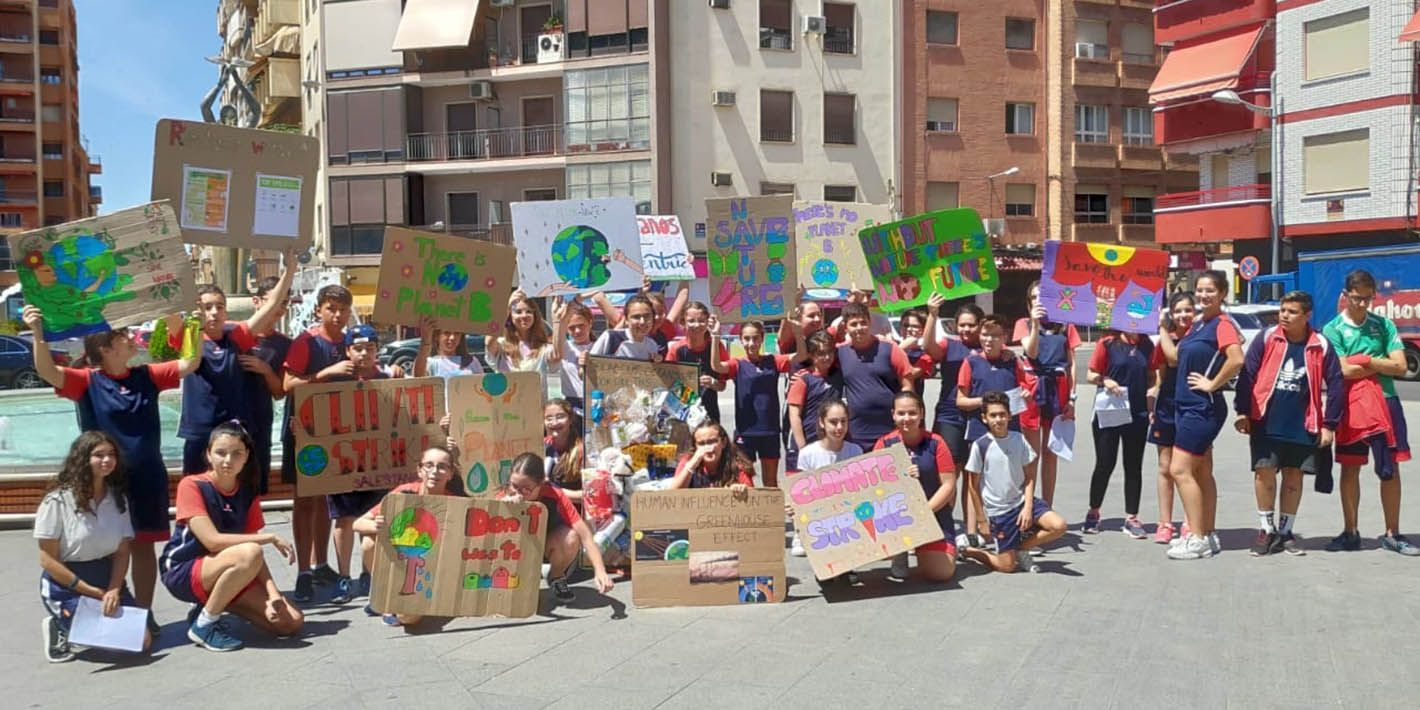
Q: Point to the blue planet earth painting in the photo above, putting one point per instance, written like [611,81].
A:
[578,256]
[453,278]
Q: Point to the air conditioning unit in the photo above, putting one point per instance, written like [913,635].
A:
[719,4]
[994,226]
[549,48]
[815,25]
[481,90]
[502,3]
[722,98]
[1090,50]
[721,179]
[941,126]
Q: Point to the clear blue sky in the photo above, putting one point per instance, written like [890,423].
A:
[139,61]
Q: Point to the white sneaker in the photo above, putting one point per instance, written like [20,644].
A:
[1213,542]
[796,547]
[1024,563]
[1194,548]
[898,571]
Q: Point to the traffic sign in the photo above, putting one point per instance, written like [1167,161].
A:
[1249,267]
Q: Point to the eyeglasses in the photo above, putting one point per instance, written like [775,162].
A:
[524,489]
[430,467]
[1356,298]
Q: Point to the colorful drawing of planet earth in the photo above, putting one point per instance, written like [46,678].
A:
[413,532]
[81,261]
[312,460]
[678,550]
[495,383]
[825,272]
[577,256]
[453,277]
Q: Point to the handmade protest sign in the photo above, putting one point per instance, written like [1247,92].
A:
[630,403]
[94,274]
[463,283]
[707,547]
[237,187]
[494,417]
[753,267]
[830,256]
[1104,285]
[577,246]
[860,510]
[363,435]
[946,251]
[664,254]
[450,556]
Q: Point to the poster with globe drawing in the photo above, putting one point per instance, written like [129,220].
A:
[1104,285]
[830,255]
[462,283]
[577,246]
[100,273]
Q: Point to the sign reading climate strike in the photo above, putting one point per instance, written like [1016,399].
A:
[365,435]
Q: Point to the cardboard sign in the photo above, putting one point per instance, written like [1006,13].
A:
[577,246]
[860,510]
[463,283]
[753,262]
[448,556]
[707,547]
[830,257]
[1104,285]
[664,254]
[363,435]
[946,252]
[95,274]
[237,187]
[494,417]
[630,401]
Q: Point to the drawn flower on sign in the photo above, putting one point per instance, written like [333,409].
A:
[398,245]
[407,271]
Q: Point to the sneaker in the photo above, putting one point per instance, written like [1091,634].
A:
[1133,528]
[1163,534]
[1347,541]
[56,642]
[1263,544]
[1035,552]
[192,613]
[344,591]
[214,638]
[1092,522]
[370,611]
[391,620]
[153,627]
[1289,544]
[1193,547]
[1024,563]
[362,586]
[325,576]
[560,590]
[852,579]
[796,547]
[898,571]
[1213,542]
[305,587]
[1398,543]
[1184,531]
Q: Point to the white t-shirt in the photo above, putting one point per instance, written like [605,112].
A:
[82,536]
[451,366]
[1002,465]
[645,349]
[571,370]
[532,361]
[815,455]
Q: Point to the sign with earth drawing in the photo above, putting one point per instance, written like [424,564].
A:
[830,256]
[577,246]
[95,274]
[462,283]
[946,252]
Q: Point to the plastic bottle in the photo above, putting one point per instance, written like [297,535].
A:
[596,408]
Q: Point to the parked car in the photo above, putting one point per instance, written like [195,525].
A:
[403,352]
[1252,319]
[17,370]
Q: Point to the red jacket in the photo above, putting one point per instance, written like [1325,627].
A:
[1260,370]
[1367,413]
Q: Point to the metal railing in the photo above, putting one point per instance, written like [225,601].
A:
[17,78]
[776,135]
[1260,192]
[17,197]
[838,40]
[17,117]
[488,144]
[774,38]
[14,36]
[498,233]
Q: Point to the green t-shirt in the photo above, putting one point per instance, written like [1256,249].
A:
[1376,337]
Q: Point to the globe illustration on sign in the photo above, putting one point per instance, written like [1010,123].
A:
[312,460]
[825,272]
[495,383]
[413,532]
[678,550]
[84,263]
[577,254]
[453,277]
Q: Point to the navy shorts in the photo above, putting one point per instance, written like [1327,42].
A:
[791,454]
[1195,431]
[183,580]
[194,456]
[1358,453]
[1007,530]
[1271,453]
[61,602]
[1161,433]
[148,501]
[353,504]
[758,446]
[955,435]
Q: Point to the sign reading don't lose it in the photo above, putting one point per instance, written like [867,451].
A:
[462,283]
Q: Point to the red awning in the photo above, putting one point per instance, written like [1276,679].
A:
[1204,68]
[1411,32]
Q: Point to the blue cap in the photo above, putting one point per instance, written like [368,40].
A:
[362,333]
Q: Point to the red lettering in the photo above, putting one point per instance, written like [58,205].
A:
[257,147]
[333,404]
[534,515]
[175,131]
[480,523]
[511,551]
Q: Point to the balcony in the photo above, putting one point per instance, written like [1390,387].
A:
[96,194]
[1205,118]
[1137,75]
[838,40]
[1221,215]
[1097,233]
[1141,157]
[1096,155]
[490,144]
[18,197]
[17,77]
[499,233]
[1095,72]
[96,164]
[1176,20]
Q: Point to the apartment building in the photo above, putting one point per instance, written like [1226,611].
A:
[45,167]
[783,96]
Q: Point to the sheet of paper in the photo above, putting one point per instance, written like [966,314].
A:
[1112,410]
[1018,400]
[1062,438]
[205,194]
[123,632]
[278,206]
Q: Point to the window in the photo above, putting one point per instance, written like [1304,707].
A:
[1091,123]
[1091,204]
[359,209]
[463,209]
[53,151]
[49,36]
[11,219]
[5,263]
[942,196]
[1020,119]
[1138,205]
[1337,162]
[50,75]
[941,27]
[941,115]
[608,107]
[368,127]
[51,113]
[840,193]
[838,38]
[630,178]
[1138,125]
[1338,45]
[775,31]
[776,188]
[1139,43]
[839,122]
[541,194]
[1091,39]
[53,188]
[776,116]
[1020,33]
[1020,199]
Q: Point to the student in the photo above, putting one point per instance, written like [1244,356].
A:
[566,530]
[1172,327]
[932,466]
[756,378]
[715,463]
[695,349]
[525,345]
[122,402]
[633,342]
[948,422]
[563,448]
[1120,365]
[84,535]
[316,355]
[874,371]
[574,351]
[215,555]
[1358,334]
[830,446]
[808,316]
[1208,357]
[880,325]
[809,391]
[1020,521]
[1278,402]
[1050,350]
[913,344]
[443,353]
[264,380]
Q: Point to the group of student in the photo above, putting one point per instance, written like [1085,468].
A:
[853,386]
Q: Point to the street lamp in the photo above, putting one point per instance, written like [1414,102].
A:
[1229,96]
[991,185]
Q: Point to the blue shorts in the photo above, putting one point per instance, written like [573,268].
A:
[1357,453]
[148,497]
[1162,433]
[1007,530]
[183,580]
[758,446]
[954,433]
[61,602]
[353,504]
[1195,431]
[194,456]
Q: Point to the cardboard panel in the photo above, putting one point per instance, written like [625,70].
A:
[364,435]
[577,246]
[1104,285]
[494,417]
[463,283]
[830,255]
[753,262]
[629,390]
[664,254]
[860,510]
[237,187]
[945,251]
[94,274]
[448,556]
[707,547]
